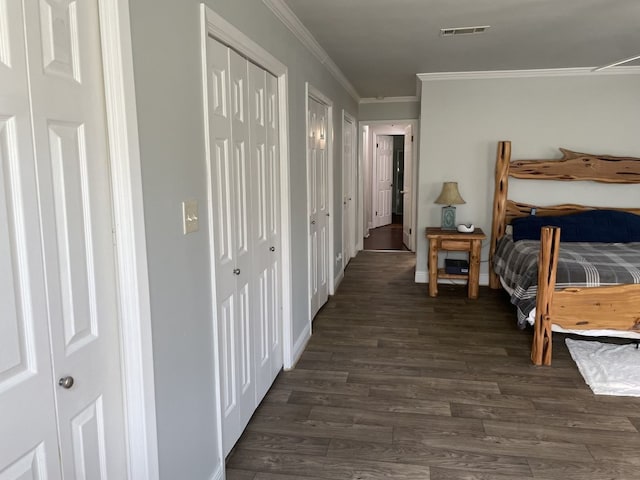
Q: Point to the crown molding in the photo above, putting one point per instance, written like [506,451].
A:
[550,72]
[282,11]
[390,100]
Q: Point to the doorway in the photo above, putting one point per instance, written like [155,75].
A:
[388,207]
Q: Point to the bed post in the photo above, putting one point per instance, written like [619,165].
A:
[499,224]
[547,268]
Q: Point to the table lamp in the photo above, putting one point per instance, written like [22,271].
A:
[449,197]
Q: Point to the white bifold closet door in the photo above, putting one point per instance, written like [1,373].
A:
[61,405]
[245,209]
[318,204]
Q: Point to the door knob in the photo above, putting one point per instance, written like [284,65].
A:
[313,222]
[273,249]
[66,382]
[328,214]
[236,271]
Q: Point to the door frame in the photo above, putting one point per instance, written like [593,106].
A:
[351,243]
[134,304]
[212,24]
[311,91]
[369,130]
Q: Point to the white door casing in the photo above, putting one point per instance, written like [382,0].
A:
[318,203]
[407,214]
[384,179]
[349,189]
[70,139]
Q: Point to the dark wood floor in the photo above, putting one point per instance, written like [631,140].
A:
[388,237]
[397,385]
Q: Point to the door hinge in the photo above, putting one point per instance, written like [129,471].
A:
[411,138]
[376,214]
[409,231]
[377,145]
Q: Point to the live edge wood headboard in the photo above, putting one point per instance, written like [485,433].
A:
[572,166]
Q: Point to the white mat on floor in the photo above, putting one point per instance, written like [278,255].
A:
[607,368]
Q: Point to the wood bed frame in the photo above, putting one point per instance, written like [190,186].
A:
[612,307]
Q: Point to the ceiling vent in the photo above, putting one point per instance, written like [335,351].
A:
[450,32]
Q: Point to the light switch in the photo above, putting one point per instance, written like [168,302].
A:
[189,216]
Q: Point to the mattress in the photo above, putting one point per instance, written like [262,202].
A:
[580,264]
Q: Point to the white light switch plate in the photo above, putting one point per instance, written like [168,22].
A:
[189,216]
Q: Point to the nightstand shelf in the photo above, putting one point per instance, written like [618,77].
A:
[452,240]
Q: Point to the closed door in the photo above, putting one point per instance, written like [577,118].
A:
[407,217]
[384,179]
[318,207]
[265,208]
[245,228]
[349,189]
[60,372]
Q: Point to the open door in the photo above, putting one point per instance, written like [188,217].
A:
[384,179]
[406,188]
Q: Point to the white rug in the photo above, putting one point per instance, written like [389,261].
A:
[607,368]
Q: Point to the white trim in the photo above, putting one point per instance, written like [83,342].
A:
[218,474]
[300,345]
[228,34]
[616,63]
[282,11]
[413,99]
[551,72]
[338,280]
[422,276]
[131,251]
[216,26]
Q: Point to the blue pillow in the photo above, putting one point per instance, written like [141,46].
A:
[608,226]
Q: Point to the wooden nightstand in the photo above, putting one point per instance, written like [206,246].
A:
[452,240]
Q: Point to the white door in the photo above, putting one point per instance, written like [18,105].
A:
[245,230]
[318,207]
[348,189]
[265,208]
[70,279]
[407,214]
[384,179]
[229,135]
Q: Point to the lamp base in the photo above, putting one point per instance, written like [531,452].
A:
[448,218]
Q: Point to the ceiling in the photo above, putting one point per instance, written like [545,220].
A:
[380,45]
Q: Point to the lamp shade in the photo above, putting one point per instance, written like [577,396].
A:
[450,195]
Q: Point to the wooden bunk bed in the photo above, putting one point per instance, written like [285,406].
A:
[610,307]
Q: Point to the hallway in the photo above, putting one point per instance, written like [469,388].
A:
[397,385]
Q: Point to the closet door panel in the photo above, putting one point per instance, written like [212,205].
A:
[224,242]
[274,343]
[245,283]
[28,435]
[258,148]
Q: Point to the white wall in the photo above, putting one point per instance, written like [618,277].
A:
[462,121]
[167,69]
[389,110]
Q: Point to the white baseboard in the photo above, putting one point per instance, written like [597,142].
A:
[219,473]
[337,280]
[299,346]
[423,277]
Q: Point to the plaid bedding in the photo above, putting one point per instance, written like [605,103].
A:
[579,265]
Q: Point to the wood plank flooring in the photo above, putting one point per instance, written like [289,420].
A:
[397,385]
[388,237]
